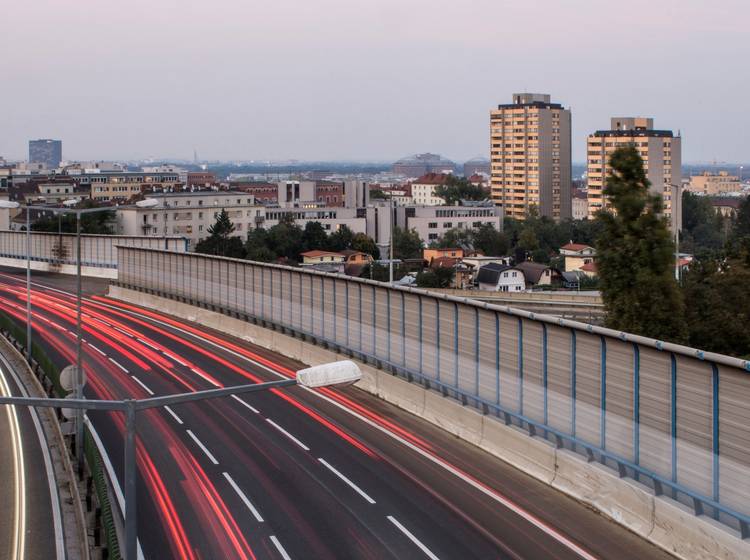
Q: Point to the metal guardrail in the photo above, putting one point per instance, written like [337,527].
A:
[96,250]
[672,417]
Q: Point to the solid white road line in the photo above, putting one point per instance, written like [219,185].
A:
[280,548]
[51,479]
[123,332]
[142,384]
[203,447]
[97,349]
[243,403]
[148,344]
[202,376]
[175,358]
[244,498]
[412,538]
[287,434]
[118,365]
[174,415]
[354,487]
[18,546]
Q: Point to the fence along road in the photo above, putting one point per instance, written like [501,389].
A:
[670,416]
[57,252]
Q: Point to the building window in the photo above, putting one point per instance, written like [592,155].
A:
[432,225]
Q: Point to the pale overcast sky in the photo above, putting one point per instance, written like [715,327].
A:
[353,79]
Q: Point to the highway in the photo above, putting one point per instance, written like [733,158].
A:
[295,474]
[30,516]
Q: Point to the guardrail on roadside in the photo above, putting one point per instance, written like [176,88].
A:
[670,416]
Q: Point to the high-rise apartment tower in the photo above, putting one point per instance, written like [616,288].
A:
[661,151]
[530,156]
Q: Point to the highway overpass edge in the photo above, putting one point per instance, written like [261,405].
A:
[660,520]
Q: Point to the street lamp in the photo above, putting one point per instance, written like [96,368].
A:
[79,382]
[676,222]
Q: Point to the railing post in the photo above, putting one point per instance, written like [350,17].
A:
[476,351]
[403,329]
[497,357]
[131,527]
[636,406]
[673,415]
[715,434]
[437,340]
[573,382]
[603,395]
[545,384]
[455,346]
[520,366]
[421,337]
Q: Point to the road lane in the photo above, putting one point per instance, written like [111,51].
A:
[306,507]
[30,516]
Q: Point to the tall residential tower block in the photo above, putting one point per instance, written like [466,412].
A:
[661,151]
[530,157]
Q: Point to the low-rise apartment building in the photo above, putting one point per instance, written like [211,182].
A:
[431,222]
[714,183]
[190,214]
[423,189]
[120,187]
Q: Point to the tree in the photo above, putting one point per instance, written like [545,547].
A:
[95,223]
[527,240]
[455,237]
[220,240]
[455,189]
[489,241]
[314,236]
[285,239]
[719,308]
[635,256]
[341,238]
[704,229]
[436,278]
[257,246]
[377,194]
[364,243]
[406,244]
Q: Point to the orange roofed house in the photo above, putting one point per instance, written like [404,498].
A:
[577,255]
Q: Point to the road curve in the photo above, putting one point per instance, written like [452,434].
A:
[297,474]
[30,516]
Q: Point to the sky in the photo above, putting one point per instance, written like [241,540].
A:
[362,80]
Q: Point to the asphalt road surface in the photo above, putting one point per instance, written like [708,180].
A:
[295,474]
[30,517]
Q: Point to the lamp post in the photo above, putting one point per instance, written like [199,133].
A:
[676,222]
[390,260]
[79,378]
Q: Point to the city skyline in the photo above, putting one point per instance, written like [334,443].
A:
[418,77]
